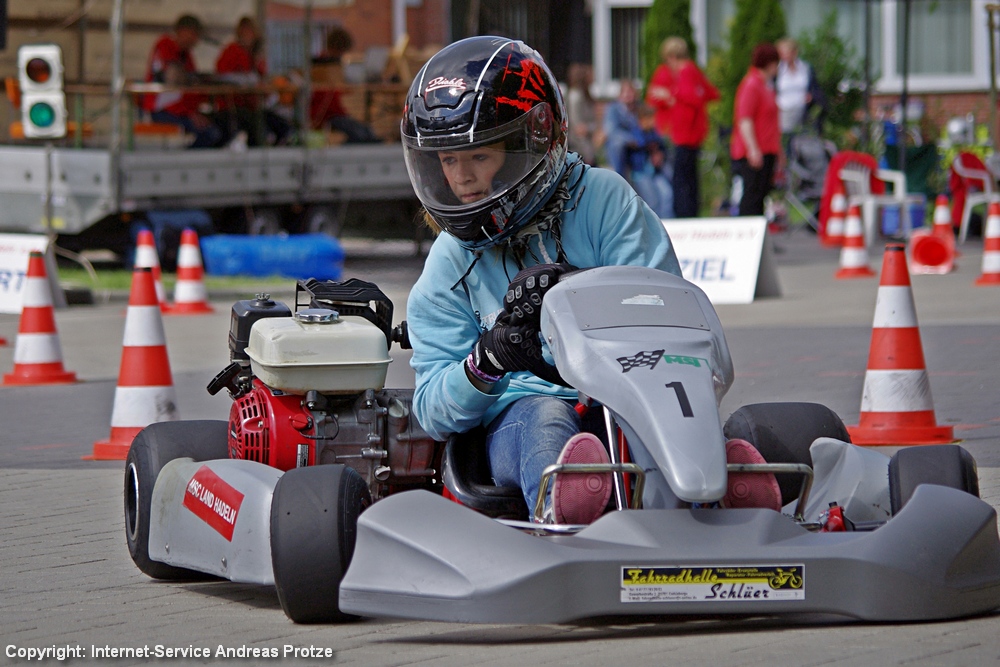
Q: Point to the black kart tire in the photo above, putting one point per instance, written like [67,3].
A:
[154,447]
[783,433]
[314,521]
[944,465]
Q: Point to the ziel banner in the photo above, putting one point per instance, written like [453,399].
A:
[731,259]
[14,251]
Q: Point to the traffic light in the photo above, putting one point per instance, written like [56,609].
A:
[43,102]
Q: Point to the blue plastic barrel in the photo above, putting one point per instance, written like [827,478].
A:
[297,256]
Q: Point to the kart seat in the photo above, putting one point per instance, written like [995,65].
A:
[466,475]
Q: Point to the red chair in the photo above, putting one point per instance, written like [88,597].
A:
[971,184]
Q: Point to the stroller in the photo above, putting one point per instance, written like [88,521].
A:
[809,156]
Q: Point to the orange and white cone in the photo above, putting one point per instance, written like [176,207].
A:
[835,223]
[37,352]
[146,256]
[942,217]
[991,247]
[854,255]
[190,296]
[145,391]
[896,405]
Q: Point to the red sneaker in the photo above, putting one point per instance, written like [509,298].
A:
[580,498]
[750,489]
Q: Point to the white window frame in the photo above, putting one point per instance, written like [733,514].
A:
[892,82]
[604,86]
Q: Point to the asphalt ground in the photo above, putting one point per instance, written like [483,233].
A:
[66,580]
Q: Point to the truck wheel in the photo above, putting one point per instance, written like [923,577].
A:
[944,465]
[264,222]
[783,433]
[154,447]
[324,220]
[314,520]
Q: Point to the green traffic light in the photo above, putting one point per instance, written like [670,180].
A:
[42,114]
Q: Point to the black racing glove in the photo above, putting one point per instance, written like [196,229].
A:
[523,301]
[507,348]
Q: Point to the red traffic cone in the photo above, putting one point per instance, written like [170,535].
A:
[896,405]
[835,223]
[145,391]
[942,217]
[854,255]
[37,352]
[190,296]
[931,253]
[991,248]
[146,256]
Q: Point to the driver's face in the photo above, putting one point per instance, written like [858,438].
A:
[470,172]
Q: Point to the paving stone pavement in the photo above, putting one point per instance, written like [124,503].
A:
[66,578]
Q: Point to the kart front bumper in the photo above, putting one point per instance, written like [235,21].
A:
[421,556]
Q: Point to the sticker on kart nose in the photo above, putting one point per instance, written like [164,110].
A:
[739,583]
[213,501]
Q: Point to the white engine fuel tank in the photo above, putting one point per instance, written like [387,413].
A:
[317,349]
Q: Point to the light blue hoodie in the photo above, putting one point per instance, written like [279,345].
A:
[610,225]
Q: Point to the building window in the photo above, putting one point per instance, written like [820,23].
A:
[626,42]
[946,26]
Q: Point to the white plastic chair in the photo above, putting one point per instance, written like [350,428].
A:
[974,198]
[857,183]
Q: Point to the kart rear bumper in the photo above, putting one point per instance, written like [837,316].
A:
[421,556]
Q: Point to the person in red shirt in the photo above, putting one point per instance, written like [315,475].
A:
[242,61]
[326,108]
[170,62]
[755,147]
[680,92]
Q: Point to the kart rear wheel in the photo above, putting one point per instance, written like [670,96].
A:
[154,447]
[314,521]
[783,433]
[944,465]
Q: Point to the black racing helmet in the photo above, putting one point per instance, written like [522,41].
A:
[496,99]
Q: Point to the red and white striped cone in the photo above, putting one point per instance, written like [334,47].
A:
[146,256]
[835,223]
[190,296]
[991,247]
[37,352]
[896,405]
[145,391]
[942,217]
[854,255]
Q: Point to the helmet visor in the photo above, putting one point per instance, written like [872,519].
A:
[459,173]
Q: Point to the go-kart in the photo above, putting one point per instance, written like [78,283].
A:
[323,484]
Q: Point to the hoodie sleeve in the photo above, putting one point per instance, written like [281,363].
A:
[443,328]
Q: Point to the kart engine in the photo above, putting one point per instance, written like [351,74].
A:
[307,387]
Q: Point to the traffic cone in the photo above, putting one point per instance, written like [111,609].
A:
[896,405]
[854,255]
[942,217]
[37,352]
[991,247]
[931,253]
[835,223]
[145,391]
[190,296]
[146,256]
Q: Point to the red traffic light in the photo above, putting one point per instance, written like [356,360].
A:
[38,70]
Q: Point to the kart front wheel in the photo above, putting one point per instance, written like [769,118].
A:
[944,465]
[154,447]
[783,433]
[314,521]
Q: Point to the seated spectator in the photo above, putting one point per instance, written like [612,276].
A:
[326,108]
[621,127]
[650,170]
[242,61]
[170,62]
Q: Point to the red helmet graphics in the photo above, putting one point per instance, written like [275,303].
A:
[484,134]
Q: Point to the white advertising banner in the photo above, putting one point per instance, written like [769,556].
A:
[731,259]
[14,251]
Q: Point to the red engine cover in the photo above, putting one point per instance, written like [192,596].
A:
[267,428]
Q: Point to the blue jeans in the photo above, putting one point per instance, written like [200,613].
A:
[526,438]
[211,136]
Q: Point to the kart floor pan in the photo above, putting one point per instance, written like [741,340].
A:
[421,556]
